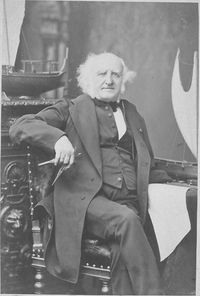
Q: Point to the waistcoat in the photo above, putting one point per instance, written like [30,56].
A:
[118,163]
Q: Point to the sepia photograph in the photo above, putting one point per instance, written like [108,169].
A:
[99,147]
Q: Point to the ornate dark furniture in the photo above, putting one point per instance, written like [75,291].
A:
[16,235]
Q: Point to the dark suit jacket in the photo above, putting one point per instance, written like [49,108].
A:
[77,186]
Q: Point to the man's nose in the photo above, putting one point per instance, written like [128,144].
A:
[109,79]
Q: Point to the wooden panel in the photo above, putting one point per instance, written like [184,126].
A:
[17,275]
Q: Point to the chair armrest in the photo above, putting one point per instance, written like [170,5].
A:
[36,231]
[38,250]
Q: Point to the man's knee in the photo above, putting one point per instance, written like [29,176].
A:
[127,218]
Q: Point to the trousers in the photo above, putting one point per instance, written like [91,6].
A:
[113,215]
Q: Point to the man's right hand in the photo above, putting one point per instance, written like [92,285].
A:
[64,152]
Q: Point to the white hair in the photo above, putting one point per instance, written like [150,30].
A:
[84,73]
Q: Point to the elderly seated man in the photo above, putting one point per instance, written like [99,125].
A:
[104,189]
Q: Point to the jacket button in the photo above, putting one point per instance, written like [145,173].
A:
[82,197]
[92,179]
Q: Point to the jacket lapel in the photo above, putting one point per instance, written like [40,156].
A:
[143,157]
[84,117]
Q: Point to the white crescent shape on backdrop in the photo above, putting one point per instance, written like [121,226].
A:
[185,105]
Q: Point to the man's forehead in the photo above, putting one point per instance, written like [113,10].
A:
[108,62]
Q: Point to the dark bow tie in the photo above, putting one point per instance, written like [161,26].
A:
[113,105]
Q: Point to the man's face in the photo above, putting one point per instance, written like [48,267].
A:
[107,78]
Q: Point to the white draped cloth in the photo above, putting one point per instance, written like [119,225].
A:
[169,216]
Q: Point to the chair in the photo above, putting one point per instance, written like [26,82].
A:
[95,260]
